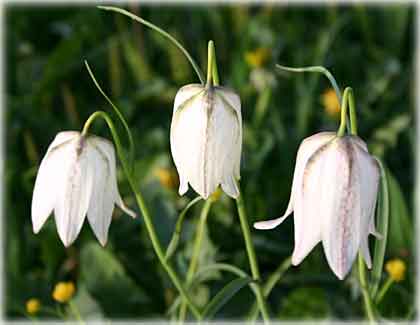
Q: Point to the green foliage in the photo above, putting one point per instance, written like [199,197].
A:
[48,89]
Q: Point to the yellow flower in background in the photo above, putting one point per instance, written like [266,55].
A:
[32,306]
[63,291]
[331,104]
[396,269]
[257,57]
[167,177]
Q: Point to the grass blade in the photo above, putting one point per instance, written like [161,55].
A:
[224,295]
[382,228]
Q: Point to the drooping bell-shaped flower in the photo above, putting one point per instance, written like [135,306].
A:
[76,177]
[333,198]
[206,138]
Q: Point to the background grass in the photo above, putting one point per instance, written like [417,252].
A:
[369,48]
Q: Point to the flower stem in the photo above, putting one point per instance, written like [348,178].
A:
[160,31]
[117,111]
[270,283]
[252,259]
[366,297]
[384,290]
[75,312]
[201,227]
[145,212]
[215,71]
[353,119]
[210,58]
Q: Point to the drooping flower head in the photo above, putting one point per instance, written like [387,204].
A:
[206,138]
[333,198]
[76,177]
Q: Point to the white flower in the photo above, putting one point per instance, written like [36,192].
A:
[77,176]
[334,191]
[206,139]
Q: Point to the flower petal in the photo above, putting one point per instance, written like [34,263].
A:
[102,200]
[306,150]
[307,196]
[107,150]
[187,141]
[342,228]
[232,101]
[73,199]
[48,180]
[269,224]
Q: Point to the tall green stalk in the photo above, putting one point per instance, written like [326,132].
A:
[365,291]
[144,210]
[252,259]
[201,227]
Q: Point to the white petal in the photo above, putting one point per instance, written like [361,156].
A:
[102,200]
[74,194]
[187,140]
[225,141]
[186,94]
[230,188]
[48,180]
[183,185]
[342,229]
[234,102]
[107,149]
[368,170]
[269,224]
[306,150]
[307,195]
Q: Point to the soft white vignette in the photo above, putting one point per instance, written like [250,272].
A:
[4,3]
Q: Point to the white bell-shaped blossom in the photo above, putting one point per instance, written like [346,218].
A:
[77,176]
[206,139]
[333,198]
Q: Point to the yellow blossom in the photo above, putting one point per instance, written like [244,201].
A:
[331,104]
[32,306]
[257,57]
[396,269]
[63,291]
[167,177]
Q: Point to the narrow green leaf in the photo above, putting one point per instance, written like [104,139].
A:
[382,228]
[173,244]
[224,295]
[203,274]
[400,237]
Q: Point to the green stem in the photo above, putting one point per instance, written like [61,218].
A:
[270,284]
[319,69]
[201,227]
[76,312]
[170,250]
[146,215]
[252,259]
[117,111]
[210,59]
[215,70]
[325,72]
[366,297]
[353,119]
[343,121]
[160,31]
[384,290]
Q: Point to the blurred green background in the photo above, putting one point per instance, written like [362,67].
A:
[369,48]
